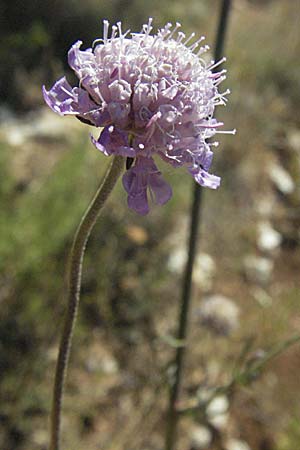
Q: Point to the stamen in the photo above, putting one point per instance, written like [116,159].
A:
[147,27]
[126,32]
[181,36]
[216,75]
[119,25]
[189,38]
[222,94]
[114,32]
[214,65]
[203,50]
[215,125]
[178,25]
[195,45]
[165,31]
[105,30]
[220,80]
[226,132]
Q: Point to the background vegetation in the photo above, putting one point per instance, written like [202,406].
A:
[116,394]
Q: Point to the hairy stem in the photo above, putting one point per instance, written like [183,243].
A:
[74,282]
[173,415]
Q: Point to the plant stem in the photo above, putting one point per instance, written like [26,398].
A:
[222,28]
[172,420]
[183,320]
[74,283]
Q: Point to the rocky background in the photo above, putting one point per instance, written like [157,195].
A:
[246,280]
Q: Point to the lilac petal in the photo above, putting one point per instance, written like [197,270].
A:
[73,55]
[120,91]
[204,158]
[81,61]
[136,186]
[59,97]
[161,189]
[65,100]
[142,96]
[113,140]
[139,203]
[99,146]
[143,175]
[206,179]
[119,113]
[126,151]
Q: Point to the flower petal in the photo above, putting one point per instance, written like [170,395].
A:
[65,100]
[143,175]
[161,189]
[113,140]
[81,61]
[139,203]
[60,97]
[205,179]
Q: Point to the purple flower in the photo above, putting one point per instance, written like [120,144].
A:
[151,95]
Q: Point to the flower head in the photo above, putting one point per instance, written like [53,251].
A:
[151,95]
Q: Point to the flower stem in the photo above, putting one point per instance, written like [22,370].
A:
[172,420]
[183,321]
[74,283]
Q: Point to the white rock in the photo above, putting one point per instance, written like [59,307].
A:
[217,409]
[281,178]
[258,269]
[16,136]
[219,405]
[265,205]
[236,444]
[104,364]
[177,260]
[110,366]
[201,438]
[217,412]
[204,394]
[293,138]
[204,268]
[220,422]
[268,238]
[219,313]
[204,271]
[40,437]
[262,297]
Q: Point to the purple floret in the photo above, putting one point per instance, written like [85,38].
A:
[140,178]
